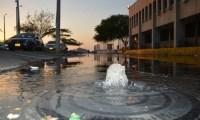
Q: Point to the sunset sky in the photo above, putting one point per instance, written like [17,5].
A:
[80,16]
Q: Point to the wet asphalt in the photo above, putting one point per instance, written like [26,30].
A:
[10,102]
[65,84]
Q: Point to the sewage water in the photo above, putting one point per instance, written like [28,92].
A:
[161,89]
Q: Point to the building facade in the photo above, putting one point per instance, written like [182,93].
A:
[104,47]
[164,24]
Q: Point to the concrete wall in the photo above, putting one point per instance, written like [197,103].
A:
[165,18]
[189,8]
[147,25]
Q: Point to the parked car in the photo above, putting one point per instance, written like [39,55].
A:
[51,46]
[26,41]
[3,46]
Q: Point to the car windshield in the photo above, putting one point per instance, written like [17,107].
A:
[51,42]
[25,35]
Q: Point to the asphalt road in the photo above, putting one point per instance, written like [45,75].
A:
[10,60]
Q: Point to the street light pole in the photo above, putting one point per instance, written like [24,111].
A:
[58,27]
[131,41]
[4,28]
[17,17]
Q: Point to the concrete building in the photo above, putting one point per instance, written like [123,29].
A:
[104,47]
[164,24]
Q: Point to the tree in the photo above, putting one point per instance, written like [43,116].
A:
[41,23]
[64,36]
[112,28]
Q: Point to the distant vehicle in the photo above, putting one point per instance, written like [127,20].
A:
[51,46]
[3,46]
[26,41]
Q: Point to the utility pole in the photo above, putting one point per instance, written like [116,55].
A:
[4,27]
[58,27]
[17,17]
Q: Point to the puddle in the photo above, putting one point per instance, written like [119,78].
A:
[156,90]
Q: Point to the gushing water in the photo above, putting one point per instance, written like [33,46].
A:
[116,76]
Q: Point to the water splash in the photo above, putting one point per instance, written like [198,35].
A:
[116,76]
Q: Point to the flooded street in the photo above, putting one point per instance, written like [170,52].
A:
[160,89]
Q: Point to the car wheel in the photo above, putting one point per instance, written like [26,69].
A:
[33,47]
[42,48]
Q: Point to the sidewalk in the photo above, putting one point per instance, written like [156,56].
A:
[13,59]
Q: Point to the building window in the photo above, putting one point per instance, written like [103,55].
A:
[165,3]
[199,29]
[164,35]
[148,38]
[150,11]
[134,21]
[171,33]
[140,19]
[142,15]
[154,6]
[137,19]
[190,30]
[146,13]
[171,2]
[159,7]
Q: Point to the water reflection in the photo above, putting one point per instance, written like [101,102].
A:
[160,88]
[58,104]
[179,67]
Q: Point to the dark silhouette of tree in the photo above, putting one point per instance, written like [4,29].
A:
[38,22]
[112,28]
[64,36]
[41,23]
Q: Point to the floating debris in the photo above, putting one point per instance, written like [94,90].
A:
[34,68]
[12,116]
[74,116]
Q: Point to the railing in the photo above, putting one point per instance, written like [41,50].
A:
[189,42]
[164,44]
[135,46]
[146,46]
[167,44]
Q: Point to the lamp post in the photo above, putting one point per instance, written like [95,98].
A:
[58,26]
[4,28]
[17,17]
[131,42]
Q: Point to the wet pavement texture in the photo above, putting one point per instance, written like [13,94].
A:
[157,90]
